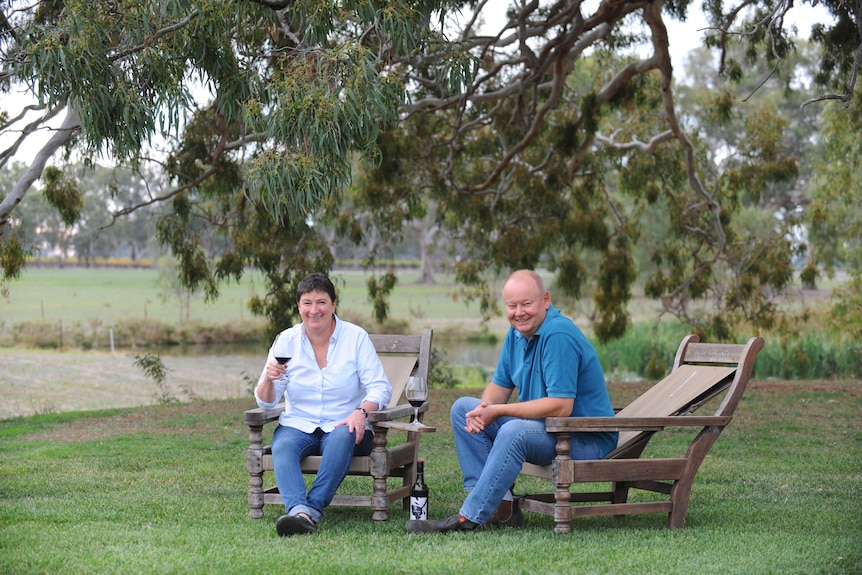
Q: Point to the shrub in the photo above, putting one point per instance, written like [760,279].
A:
[440,375]
[199,333]
[646,350]
[46,334]
[799,348]
[144,332]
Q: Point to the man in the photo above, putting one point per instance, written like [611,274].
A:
[557,373]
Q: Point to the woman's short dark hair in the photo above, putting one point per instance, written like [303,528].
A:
[315,282]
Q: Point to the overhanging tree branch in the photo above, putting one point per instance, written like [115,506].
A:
[7,154]
[61,136]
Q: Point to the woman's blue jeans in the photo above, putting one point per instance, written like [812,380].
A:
[491,460]
[290,446]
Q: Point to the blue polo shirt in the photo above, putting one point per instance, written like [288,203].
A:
[559,361]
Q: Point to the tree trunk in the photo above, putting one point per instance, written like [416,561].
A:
[426,265]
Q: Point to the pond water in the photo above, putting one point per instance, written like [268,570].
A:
[457,353]
[472,354]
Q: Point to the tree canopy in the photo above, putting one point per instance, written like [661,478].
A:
[554,139]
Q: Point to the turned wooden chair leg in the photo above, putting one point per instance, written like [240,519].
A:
[254,464]
[380,472]
[562,476]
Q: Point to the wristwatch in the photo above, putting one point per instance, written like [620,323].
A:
[363,410]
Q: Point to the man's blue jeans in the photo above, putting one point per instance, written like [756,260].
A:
[290,446]
[492,459]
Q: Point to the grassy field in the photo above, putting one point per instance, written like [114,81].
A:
[83,295]
[162,489]
[107,295]
[102,297]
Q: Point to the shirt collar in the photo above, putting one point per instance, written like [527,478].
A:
[337,331]
[552,312]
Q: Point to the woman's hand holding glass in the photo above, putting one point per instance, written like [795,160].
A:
[275,371]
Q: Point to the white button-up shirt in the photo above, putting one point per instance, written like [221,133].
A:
[316,397]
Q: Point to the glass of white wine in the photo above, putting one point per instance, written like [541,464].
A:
[417,393]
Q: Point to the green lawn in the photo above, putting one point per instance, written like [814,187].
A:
[162,489]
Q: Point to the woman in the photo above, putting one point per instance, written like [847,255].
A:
[331,381]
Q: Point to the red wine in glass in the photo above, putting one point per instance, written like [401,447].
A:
[282,359]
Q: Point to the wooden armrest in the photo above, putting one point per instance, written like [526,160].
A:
[593,424]
[261,416]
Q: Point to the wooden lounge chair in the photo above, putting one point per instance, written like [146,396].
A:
[402,356]
[701,371]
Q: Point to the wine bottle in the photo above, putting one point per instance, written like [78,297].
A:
[419,494]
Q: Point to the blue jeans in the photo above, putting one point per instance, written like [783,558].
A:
[491,460]
[290,446]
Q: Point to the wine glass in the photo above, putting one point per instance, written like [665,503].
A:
[282,351]
[416,392]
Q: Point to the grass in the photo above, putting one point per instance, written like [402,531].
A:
[109,295]
[163,489]
[103,309]
[80,295]
[102,297]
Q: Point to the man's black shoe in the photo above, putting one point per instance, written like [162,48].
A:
[453,523]
[288,525]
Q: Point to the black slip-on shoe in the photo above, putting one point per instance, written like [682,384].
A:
[453,523]
[288,525]
[508,514]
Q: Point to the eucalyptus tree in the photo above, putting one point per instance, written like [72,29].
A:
[256,108]
[836,217]
[291,91]
[568,143]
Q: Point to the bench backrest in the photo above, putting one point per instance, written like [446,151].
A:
[403,356]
